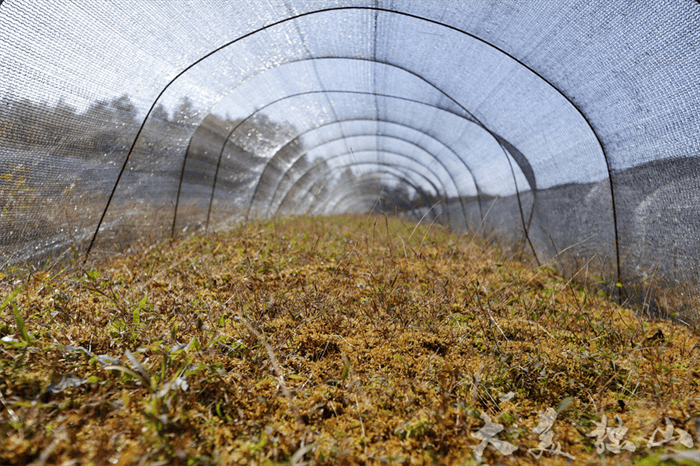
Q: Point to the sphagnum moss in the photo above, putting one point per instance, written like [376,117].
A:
[344,340]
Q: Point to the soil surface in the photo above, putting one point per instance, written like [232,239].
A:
[342,340]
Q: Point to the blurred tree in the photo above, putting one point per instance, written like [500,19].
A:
[185,112]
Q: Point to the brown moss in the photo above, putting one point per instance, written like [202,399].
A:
[389,344]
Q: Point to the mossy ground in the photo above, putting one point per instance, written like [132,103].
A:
[343,340]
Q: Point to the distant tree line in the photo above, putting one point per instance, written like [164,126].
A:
[400,198]
[104,126]
[106,130]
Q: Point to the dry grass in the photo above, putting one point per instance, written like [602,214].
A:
[345,340]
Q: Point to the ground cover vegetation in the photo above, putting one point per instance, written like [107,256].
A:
[343,340]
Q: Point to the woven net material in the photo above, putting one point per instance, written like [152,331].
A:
[569,128]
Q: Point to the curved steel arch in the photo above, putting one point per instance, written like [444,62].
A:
[345,154]
[313,169]
[348,198]
[316,166]
[349,185]
[380,171]
[508,149]
[520,159]
[430,136]
[365,182]
[443,146]
[377,9]
[228,137]
[359,136]
[385,169]
[380,136]
[351,195]
[326,91]
[360,198]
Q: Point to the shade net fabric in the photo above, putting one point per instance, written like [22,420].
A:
[568,129]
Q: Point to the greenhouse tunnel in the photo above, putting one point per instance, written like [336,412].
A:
[568,130]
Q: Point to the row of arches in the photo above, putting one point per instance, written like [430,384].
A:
[363,100]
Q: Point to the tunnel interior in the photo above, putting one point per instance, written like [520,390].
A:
[567,130]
